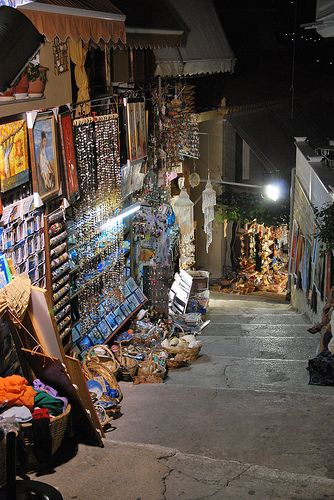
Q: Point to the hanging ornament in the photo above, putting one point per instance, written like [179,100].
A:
[184,213]
[208,209]
[194,178]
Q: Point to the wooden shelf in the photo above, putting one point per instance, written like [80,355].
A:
[124,322]
[19,101]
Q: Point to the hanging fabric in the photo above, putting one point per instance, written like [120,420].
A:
[208,209]
[78,53]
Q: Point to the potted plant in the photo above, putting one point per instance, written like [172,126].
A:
[21,87]
[37,79]
[8,94]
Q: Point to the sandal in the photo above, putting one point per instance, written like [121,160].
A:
[314,329]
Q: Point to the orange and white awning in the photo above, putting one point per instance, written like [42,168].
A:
[86,20]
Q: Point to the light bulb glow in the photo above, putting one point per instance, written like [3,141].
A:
[272,191]
[119,217]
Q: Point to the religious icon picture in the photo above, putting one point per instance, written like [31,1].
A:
[69,159]
[136,130]
[14,160]
[45,172]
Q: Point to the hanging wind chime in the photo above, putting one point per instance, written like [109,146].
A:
[208,209]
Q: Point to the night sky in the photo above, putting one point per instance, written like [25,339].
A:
[261,34]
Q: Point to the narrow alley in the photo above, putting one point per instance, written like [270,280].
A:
[240,422]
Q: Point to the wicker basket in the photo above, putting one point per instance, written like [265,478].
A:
[58,428]
[150,372]
[176,362]
[128,367]
[93,368]
[108,359]
[188,354]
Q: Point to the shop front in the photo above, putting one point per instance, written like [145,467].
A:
[94,287]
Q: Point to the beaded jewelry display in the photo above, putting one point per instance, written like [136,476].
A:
[101,264]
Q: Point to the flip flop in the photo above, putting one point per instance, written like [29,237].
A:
[313,330]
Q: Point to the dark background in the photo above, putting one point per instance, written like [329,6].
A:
[263,35]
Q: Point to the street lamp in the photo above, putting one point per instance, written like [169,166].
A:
[270,191]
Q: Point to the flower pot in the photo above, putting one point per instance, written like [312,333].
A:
[8,95]
[37,86]
[21,89]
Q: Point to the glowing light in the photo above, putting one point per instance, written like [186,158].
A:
[272,191]
[119,217]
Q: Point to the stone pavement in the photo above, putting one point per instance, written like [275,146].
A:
[242,422]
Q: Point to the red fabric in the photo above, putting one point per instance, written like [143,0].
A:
[16,391]
[39,413]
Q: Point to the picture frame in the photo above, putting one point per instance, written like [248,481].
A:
[14,152]
[111,320]
[136,130]
[69,158]
[44,156]
[103,328]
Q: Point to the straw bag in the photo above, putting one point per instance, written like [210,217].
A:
[150,372]
[128,367]
[187,354]
[107,359]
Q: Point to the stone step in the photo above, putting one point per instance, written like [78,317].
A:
[257,319]
[171,474]
[227,310]
[301,348]
[289,432]
[248,374]
[191,476]
[236,329]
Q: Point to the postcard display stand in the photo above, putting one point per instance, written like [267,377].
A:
[23,239]
[111,316]
[57,274]
[180,293]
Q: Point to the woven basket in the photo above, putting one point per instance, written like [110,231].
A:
[58,428]
[176,362]
[188,354]
[93,369]
[150,372]
[128,367]
[108,359]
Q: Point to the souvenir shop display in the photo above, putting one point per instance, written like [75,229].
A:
[22,239]
[175,130]
[110,316]
[98,241]
[58,267]
[65,197]
[263,261]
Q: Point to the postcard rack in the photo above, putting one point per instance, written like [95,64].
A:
[23,239]
[57,273]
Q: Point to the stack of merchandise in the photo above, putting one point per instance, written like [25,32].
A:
[263,262]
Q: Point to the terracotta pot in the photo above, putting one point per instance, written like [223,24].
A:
[8,95]
[36,88]
[21,89]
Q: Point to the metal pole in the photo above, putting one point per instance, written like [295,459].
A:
[230,183]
